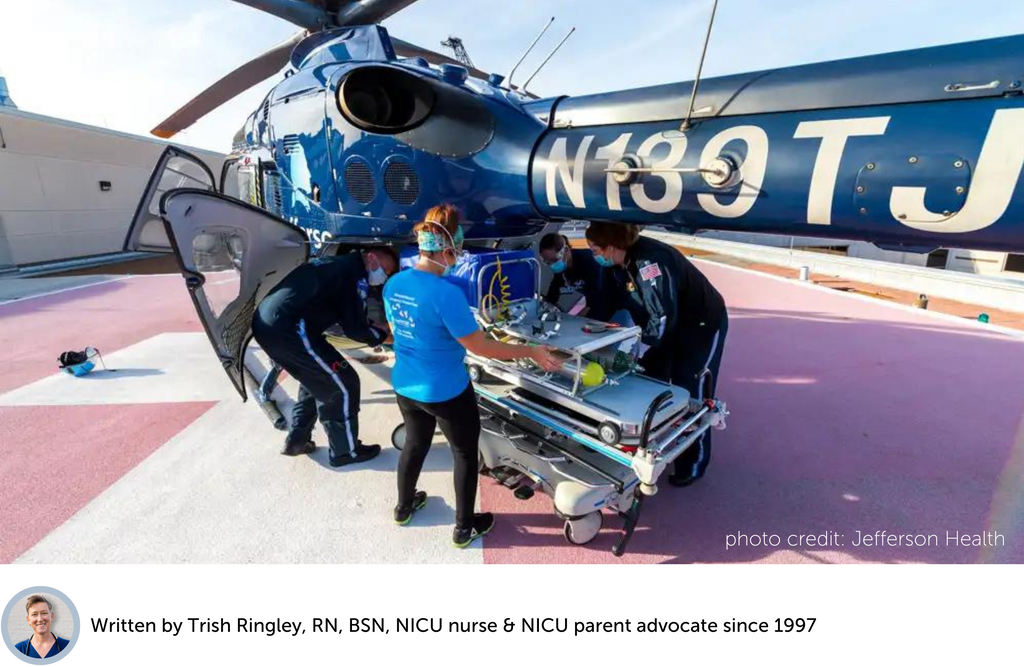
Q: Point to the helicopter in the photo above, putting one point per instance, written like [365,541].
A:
[911,151]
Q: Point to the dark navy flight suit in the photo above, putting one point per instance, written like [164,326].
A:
[585,276]
[685,323]
[289,325]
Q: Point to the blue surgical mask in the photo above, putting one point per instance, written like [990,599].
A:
[558,266]
[603,261]
[447,267]
[376,277]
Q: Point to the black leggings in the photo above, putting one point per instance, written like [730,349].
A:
[460,423]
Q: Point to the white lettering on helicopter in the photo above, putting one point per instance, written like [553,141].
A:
[751,172]
[833,135]
[317,237]
[611,153]
[673,179]
[572,180]
[995,177]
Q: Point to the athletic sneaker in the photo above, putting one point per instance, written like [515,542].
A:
[298,448]
[362,453]
[403,515]
[482,524]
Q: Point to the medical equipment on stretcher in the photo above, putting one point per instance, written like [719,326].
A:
[595,435]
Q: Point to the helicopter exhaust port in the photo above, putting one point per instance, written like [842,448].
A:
[385,100]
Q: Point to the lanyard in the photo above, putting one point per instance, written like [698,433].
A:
[29,646]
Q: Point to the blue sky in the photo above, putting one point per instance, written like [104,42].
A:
[126,64]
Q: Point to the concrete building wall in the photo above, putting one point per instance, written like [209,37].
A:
[51,204]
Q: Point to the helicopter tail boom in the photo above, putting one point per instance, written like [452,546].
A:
[924,147]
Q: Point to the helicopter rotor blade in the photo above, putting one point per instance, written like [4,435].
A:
[304,14]
[407,50]
[365,12]
[314,15]
[237,82]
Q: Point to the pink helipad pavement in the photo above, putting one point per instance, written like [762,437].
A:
[109,315]
[55,459]
[847,415]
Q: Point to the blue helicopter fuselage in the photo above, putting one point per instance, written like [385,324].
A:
[918,149]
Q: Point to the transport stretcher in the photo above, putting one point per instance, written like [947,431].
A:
[594,436]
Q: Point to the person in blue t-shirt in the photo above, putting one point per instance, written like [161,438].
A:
[43,643]
[433,327]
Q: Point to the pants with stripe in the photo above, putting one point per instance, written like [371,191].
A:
[459,420]
[682,365]
[329,386]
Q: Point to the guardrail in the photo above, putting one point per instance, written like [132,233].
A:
[1001,293]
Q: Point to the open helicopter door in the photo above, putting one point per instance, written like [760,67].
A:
[231,255]
[175,169]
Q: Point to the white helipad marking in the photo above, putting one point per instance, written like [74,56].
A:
[167,368]
[219,492]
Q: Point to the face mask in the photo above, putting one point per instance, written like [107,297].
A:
[558,266]
[455,242]
[447,267]
[376,277]
[603,261]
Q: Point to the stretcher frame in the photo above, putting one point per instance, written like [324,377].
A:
[528,446]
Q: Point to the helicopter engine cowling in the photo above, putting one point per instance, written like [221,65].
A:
[402,138]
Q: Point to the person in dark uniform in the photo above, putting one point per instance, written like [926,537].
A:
[576,272]
[289,325]
[43,643]
[683,317]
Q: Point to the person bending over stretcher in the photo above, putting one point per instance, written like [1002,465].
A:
[683,317]
[290,325]
[576,274]
[433,327]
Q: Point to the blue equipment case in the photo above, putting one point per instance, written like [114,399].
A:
[476,273]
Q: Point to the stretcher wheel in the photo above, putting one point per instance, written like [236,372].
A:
[398,437]
[609,433]
[584,529]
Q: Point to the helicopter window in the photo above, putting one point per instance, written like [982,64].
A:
[218,255]
[385,100]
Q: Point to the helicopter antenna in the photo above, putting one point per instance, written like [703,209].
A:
[550,55]
[508,79]
[700,66]
[459,49]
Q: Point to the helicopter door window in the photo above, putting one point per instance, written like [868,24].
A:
[175,169]
[219,256]
[230,184]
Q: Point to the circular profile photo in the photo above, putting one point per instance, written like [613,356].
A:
[42,625]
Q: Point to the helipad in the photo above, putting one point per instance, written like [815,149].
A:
[849,416]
